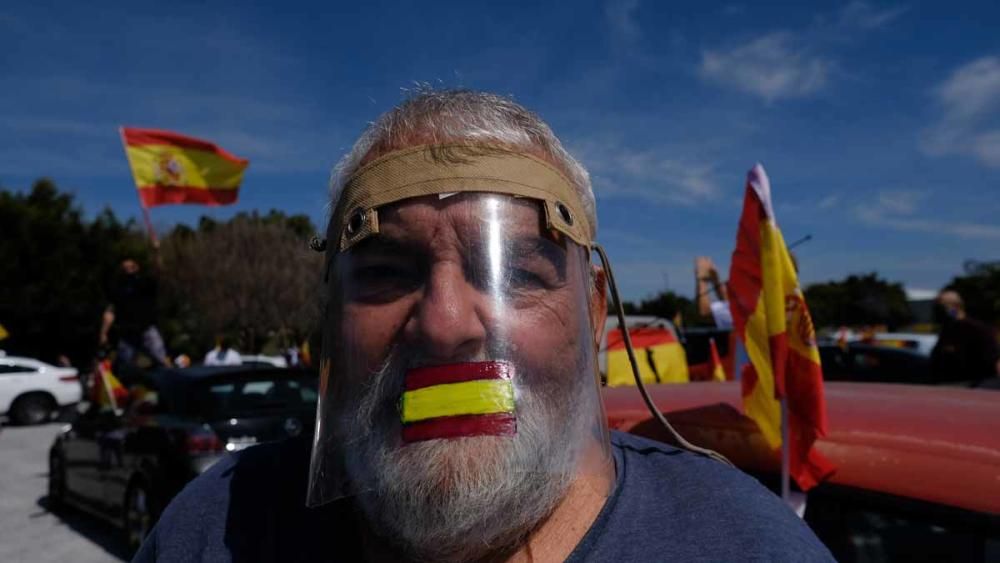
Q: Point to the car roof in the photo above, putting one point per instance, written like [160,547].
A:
[873,347]
[937,444]
[22,361]
[201,371]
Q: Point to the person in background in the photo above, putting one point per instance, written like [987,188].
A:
[182,361]
[966,348]
[223,354]
[712,297]
[132,312]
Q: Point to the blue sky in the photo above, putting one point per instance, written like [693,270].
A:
[878,123]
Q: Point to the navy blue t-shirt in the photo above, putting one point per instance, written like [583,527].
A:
[667,505]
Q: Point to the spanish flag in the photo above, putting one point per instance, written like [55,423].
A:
[173,168]
[458,400]
[718,372]
[659,355]
[771,318]
[107,392]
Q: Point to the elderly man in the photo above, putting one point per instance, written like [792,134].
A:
[460,415]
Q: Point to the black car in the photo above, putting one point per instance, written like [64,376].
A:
[874,364]
[126,464]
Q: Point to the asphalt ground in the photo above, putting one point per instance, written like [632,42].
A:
[29,530]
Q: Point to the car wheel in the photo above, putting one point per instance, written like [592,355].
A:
[138,514]
[57,480]
[32,409]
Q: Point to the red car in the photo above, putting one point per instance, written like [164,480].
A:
[918,474]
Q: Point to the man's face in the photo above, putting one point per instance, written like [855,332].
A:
[450,279]
[947,307]
[130,267]
[471,277]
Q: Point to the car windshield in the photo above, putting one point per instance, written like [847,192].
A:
[246,395]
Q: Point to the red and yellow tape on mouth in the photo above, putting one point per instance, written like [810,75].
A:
[458,400]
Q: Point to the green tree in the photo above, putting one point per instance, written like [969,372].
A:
[252,277]
[858,300]
[54,269]
[980,290]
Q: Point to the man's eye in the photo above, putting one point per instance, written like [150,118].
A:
[380,272]
[526,279]
[382,282]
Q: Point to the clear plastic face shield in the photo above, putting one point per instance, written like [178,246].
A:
[459,358]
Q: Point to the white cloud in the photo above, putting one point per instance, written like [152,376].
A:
[969,120]
[897,210]
[792,63]
[829,202]
[650,176]
[620,15]
[899,202]
[772,67]
[865,16]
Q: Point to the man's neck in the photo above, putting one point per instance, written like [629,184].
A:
[557,537]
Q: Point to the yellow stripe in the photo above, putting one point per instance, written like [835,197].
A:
[484,396]
[760,405]
[192,167]
[779,282]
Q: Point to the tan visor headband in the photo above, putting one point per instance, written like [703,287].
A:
[415,172]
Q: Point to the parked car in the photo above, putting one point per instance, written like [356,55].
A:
[874,363]
[125,464]
[32,391]
[262,360]
[918,467]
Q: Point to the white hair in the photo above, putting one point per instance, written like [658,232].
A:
[432,116]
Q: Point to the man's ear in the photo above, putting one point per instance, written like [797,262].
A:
[598,303]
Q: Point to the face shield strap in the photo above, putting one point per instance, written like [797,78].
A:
[422,170]
[635,366]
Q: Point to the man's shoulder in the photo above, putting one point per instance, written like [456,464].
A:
[248,506]
[681,476]
[692,507]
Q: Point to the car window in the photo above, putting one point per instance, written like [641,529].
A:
[860,526]
[259,394]
[8,369]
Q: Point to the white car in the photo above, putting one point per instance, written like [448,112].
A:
[263,361]
[31,391]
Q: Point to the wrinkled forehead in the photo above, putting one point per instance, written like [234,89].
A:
[464,216]
[468,226]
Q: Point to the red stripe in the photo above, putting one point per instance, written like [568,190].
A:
[498,424]
[804,388]
[744,272]
[748,380]
[778,345]
[137,137]
[418,378]
[152,196]
[642,337]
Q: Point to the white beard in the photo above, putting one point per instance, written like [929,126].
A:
[464,498]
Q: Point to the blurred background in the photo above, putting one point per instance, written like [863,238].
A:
[878,123]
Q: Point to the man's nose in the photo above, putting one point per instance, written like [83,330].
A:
[448,324]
